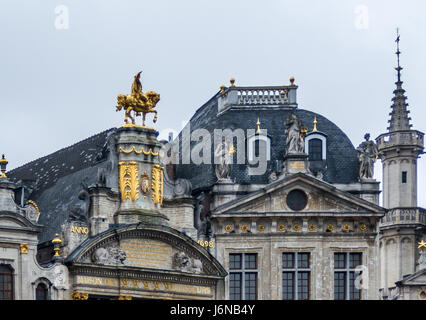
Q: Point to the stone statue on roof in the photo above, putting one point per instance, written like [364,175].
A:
[367,155]
[295,132]
[223,160]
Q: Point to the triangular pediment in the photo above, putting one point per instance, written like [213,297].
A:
[417,278]
[321,197]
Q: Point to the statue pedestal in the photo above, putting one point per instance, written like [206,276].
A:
[140,176]
[294,163]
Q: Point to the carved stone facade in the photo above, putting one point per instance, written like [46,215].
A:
[121,223]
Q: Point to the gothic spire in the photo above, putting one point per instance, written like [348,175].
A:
[399,116]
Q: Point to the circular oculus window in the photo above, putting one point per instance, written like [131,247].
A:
[297,200]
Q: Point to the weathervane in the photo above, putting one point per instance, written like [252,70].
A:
[397,54]
[138,102]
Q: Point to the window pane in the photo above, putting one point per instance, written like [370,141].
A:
[303,285]
[250,261]
[315,149]
[354,293]
[235,261]
[41,292]
[339,285]
[235,286]
[250,285]
[339,260]
[303,260]
[6,282]
[354,260]
[288,285]
[288,260]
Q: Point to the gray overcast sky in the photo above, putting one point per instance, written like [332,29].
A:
[59,86]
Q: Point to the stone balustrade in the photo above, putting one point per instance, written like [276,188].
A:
[406,137]
[404,216]
[258,96]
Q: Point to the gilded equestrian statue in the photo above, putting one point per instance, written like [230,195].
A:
[138,101]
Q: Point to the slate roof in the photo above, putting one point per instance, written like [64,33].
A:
[58,178]
[342,161]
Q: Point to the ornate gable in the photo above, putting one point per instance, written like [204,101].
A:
[299,193]
[147,247]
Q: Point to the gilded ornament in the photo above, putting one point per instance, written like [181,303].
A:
[312,227]
[157,183]
[129,183]
[346,227]
[315,124]
[258,126]
[281,227]
[23,247]
[330,227]
[244,228]
[228,228]
[138,102]
[142,150]
[56,243]
[31,202]
[145,184]
[80,296]
[363,227]
[3,164]
[261,227]
[422,244]
[296,227]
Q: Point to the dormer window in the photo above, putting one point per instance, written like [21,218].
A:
[316,146]
[315,149]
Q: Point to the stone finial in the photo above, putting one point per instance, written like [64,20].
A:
[232,81]
[258,126]
[292,81]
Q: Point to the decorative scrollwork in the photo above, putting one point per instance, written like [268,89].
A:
[129,182]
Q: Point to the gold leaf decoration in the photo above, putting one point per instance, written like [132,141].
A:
[129,182]
[157,183]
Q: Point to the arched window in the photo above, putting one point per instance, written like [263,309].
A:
[41,292]
[6,282]
[316,146]
[315,149]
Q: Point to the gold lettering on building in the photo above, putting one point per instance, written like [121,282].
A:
[79,230]
[300,165]
[147,253]
[145,285]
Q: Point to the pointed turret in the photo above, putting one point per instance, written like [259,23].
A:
[399,116]
[399,149]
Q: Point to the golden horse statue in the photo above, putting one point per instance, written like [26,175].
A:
[138,101]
